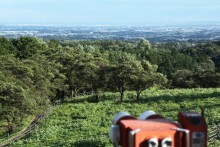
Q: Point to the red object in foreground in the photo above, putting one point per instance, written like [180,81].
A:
[153,130]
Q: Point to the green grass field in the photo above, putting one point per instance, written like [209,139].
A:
[84,123]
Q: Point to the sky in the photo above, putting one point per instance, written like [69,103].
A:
[109,12]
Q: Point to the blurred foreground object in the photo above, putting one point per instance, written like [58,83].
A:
[153,130]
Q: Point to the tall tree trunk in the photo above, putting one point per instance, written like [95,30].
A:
[122,94]
[75,92]
[62,96]
[72,93]
[97,98]
[138,95]
[97,93]
[10,127]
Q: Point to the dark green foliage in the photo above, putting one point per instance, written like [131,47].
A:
[6,47]
[28,46]
[169,61]
[18,94]
[34,73]
[184,79]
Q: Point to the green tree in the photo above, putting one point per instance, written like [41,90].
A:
[144,45]
[142,48]
[98,79]
[6,47]
[47,77]
[18,96]
[123,72]
[146,76]
[184,79]
[28,46]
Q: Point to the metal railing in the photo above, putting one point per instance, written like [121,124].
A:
[82,94]
[7,140]
[213,133]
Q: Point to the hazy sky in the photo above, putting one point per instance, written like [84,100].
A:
[109,12]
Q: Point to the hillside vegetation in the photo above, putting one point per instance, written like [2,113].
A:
[34,73]
[83,123]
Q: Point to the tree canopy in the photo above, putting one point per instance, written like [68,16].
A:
[35,72]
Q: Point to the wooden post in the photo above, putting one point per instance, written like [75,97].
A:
[218,131]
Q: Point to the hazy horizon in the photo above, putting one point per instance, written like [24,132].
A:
[110,12]
[111,25]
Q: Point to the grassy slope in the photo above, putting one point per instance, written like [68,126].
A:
[23,125]
[82,123]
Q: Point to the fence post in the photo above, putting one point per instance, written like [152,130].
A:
[30,131]
[218,131]
[8,135]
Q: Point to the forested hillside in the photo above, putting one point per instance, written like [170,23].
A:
[34,72]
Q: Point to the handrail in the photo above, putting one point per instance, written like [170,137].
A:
[212,133]
[9,140]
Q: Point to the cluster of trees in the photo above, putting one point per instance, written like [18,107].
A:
[27,80]
[185,64]
[191,65]
[34,72]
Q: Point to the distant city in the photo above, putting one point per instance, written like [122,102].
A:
[151,33]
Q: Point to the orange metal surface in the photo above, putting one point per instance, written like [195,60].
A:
[190,131]
[158,128]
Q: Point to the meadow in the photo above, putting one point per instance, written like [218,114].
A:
[82,122]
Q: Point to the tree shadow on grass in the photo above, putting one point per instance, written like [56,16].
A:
[181,99]
[174,98]
[80,143]
[92,98]
[146,99]
[78,100]
[88,144]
